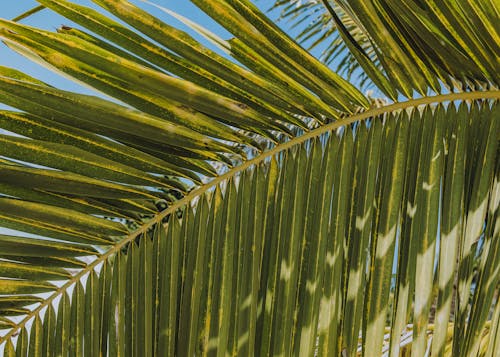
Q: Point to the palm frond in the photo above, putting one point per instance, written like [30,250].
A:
[256,206]
[239,272]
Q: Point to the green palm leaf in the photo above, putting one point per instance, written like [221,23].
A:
[255,206]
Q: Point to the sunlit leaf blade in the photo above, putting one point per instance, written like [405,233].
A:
[361,225]
[9,349]
[18,301]
[15,74]
[22,343]
[330,324]
[6,323]
[77,321]
[51,261]
[12,286]
[49,325]
[87,112]
[36,338]
[67,183]
[15,245]
[451,223]
[61,220]
[49,130]
[22,271]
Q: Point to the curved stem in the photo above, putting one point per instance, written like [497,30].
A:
[202,189]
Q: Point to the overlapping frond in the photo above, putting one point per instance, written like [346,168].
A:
[407,47]
[207,204]
[318,31]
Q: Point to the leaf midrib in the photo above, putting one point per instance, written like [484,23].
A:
[204,188]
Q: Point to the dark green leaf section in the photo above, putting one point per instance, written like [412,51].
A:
[65,221]
[38,128]
[31,247]
[402,45]
[297,256]
[420,44]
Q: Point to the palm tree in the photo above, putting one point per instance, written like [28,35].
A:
[255,206]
